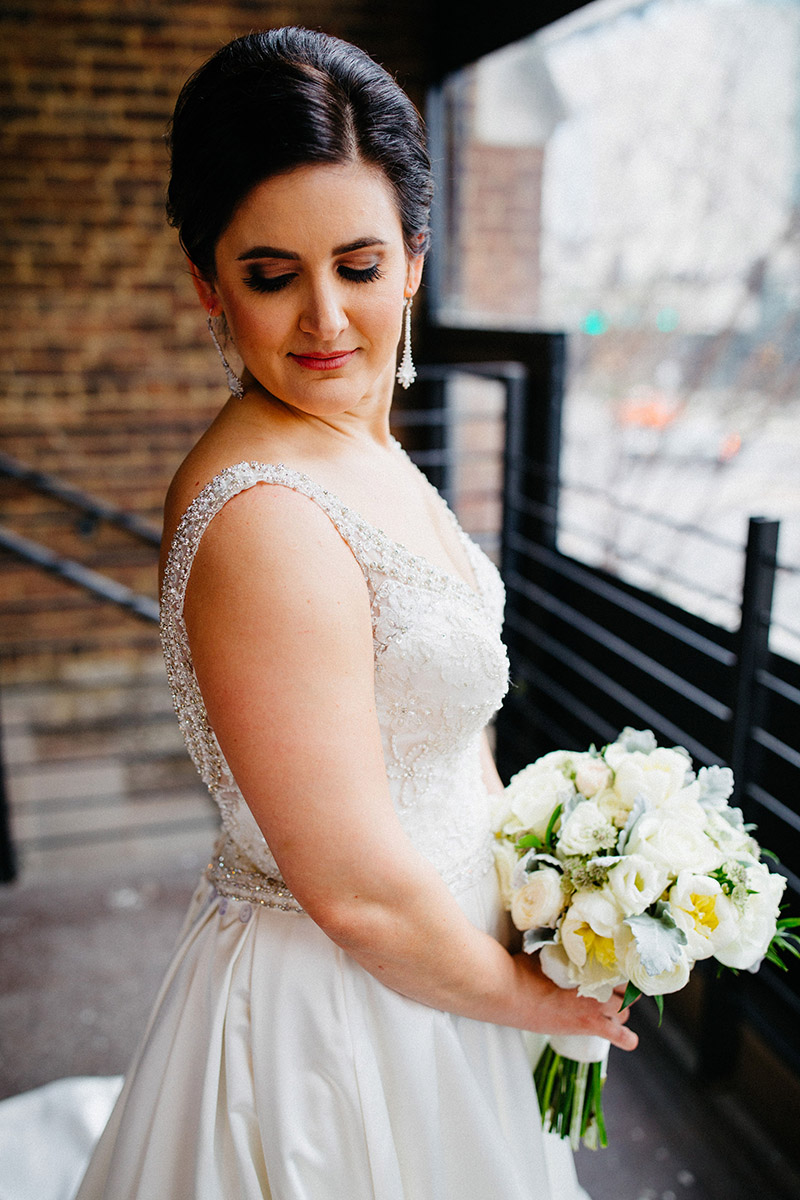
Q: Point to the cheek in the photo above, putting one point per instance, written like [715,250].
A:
[257,327]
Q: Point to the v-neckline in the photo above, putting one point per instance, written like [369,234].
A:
[424,564]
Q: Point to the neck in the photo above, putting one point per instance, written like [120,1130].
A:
[365,421]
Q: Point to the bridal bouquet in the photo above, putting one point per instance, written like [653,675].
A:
[622,867]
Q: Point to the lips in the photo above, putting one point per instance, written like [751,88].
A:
[323,362]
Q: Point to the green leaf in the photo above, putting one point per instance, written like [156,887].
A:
[529,841]
[660,1006]
[551,825]
[632,994]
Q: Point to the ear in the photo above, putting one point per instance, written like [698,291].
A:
[205,290]
[414,274]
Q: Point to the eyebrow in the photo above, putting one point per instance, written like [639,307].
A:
[273,252]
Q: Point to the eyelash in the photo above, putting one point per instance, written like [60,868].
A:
[275,283]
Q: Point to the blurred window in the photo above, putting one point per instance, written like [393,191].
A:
[631,175]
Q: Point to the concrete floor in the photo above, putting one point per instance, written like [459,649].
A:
[80,961]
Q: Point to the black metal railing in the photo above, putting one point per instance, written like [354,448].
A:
[90,513]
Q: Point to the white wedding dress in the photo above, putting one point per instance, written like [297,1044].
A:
[274,1067]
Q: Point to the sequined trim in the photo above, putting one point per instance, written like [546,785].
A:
[235,877]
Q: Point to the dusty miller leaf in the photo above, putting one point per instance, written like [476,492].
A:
[658,939]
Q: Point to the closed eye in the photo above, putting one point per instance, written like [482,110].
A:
[274,283]
[267,283]
[361,275]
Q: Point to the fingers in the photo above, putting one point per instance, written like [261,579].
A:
[619,1036]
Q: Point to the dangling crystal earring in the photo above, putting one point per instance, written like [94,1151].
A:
[407,372]
[234,382]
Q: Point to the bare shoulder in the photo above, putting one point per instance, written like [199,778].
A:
[269,542]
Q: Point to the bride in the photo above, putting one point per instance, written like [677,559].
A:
[341,1019]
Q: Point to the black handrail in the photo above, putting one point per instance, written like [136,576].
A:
[92,508]
[74,572]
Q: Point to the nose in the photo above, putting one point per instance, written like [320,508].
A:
[323,314]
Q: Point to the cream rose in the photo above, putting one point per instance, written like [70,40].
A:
[532,796]
[591,775]
[539,902]
[586,830]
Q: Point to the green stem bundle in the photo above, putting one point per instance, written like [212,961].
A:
[570,1098]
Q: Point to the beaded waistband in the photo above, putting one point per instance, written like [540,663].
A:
[235,876]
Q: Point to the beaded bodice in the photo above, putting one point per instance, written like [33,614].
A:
[440,673]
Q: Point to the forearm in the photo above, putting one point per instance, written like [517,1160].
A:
[415,938]
[419,943]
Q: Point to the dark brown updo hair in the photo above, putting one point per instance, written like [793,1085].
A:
[269,102]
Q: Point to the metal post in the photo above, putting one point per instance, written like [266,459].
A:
[719,1031]
[752,651]
[8,859]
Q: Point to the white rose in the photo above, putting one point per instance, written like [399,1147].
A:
[636,882]
[586,830]
[505,860]
[592,775]
[755,915]
[673,844]
[539,903]
[532,796]
[697,904]
[671,980]
[654,776]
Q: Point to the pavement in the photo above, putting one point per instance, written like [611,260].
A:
[81,960]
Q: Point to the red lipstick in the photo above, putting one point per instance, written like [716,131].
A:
[323,362]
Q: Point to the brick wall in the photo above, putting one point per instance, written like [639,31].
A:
[107,374]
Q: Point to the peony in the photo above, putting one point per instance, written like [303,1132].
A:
[753,906]
[675,977]
[532,796]
[694,902]
[673,844]
[594,980]
[655,777]
[636,882]
[585,831]
[589,933]
[592,775]
[539,902]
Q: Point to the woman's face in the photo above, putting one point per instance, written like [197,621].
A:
[311,274]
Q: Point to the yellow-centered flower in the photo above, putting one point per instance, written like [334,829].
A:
[704,911]
[601,947]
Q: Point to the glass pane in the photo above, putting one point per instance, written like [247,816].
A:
[631,175]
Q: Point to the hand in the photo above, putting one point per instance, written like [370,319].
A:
[562,1010]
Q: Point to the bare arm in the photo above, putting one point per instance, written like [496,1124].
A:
[278,618]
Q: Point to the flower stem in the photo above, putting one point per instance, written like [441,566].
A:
[570,1098]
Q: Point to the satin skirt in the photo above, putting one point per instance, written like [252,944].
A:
[276,1068]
